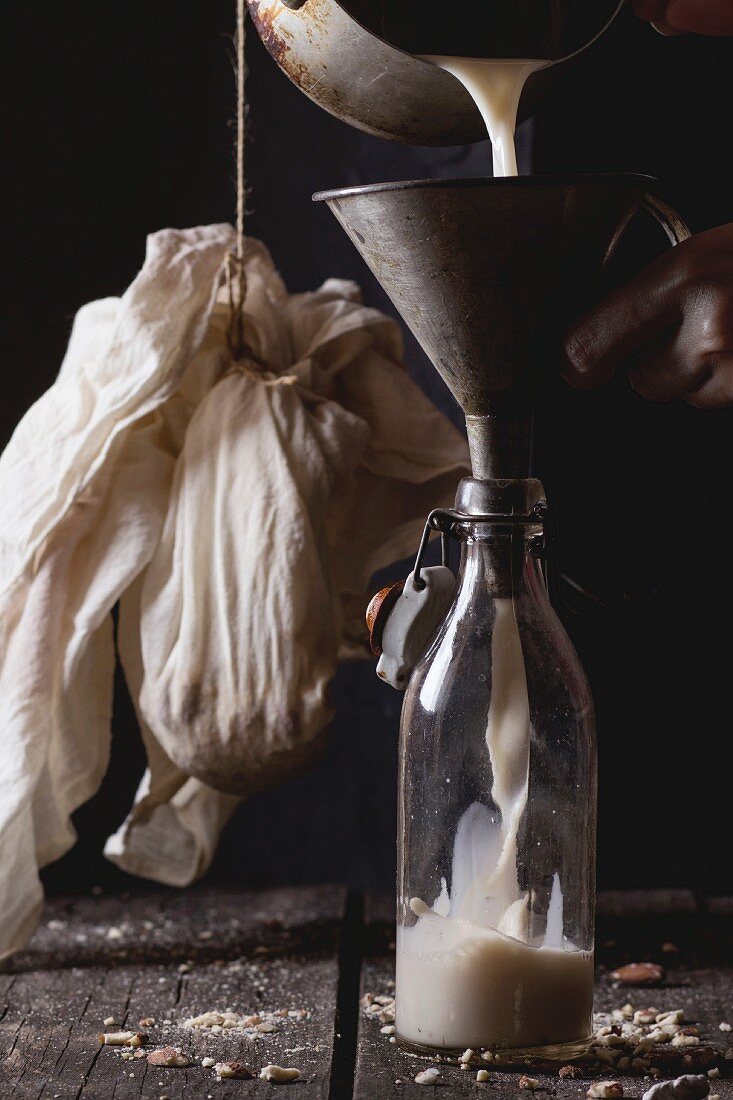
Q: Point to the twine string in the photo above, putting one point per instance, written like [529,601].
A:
[235,271]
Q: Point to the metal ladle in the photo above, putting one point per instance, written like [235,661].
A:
[355,58]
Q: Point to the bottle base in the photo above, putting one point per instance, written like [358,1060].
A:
[503,1058]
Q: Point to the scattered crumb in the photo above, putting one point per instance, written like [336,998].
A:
[466,1056]
[676,1016]
[645,1015]
[605,1090]
[427,1076]
[168,1056]
[279,1075]
[714,1072]
[109,1022]
[236,1070]
[388,1029]
[483,1076]
[688,1087]
[639,973]
[114,933]
[573,1072]
[147,1021]
[207,1063]
[531,1083]
[723,1026]
[683,1040]
[122,1038]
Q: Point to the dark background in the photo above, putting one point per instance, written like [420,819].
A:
[119,123]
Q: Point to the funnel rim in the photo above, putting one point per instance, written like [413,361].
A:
[560,179]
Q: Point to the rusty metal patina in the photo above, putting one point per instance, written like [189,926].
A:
[362,80]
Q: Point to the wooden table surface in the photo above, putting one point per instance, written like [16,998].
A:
[170,956]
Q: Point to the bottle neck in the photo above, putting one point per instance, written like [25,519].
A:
[501,560]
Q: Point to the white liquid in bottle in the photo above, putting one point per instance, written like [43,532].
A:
[467,973]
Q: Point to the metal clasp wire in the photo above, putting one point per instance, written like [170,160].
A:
[446,520]
[544,546]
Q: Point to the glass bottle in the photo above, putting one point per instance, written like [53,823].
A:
[497,806]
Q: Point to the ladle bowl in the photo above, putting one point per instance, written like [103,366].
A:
[356,58]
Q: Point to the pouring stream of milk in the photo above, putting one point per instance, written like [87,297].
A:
[496,88]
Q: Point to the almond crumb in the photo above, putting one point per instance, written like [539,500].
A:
[236,1070]
[531,1083]
[638,973]
[605,1090]
[122,1038]
[278,1074]
[427,1076]
[168,1056]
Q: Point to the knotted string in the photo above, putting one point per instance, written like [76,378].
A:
[244,359]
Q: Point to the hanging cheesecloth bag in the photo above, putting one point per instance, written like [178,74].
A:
[235,510]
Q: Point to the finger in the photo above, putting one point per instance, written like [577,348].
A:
[715,389]
[636,315]
[665,29]
[655,12]
[665,373]
[650,10]
[713,17]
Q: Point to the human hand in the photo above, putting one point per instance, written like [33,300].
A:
[672,324]
[711,17]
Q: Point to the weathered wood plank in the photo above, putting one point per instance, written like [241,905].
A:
[706,995]
[170,956]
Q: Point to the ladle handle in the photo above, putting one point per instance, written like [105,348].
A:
[675,228]
[667,217]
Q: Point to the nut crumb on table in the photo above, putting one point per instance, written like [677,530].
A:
[279,1074]
[605,1090]
[232,1070]
[168,1056]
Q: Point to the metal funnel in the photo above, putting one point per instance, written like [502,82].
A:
[487,273]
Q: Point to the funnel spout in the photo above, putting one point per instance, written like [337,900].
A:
[499,447]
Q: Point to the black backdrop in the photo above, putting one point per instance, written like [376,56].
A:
[119,123]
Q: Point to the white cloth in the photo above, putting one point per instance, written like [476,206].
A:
[236,517]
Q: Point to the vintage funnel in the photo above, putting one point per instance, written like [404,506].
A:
[487,273]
